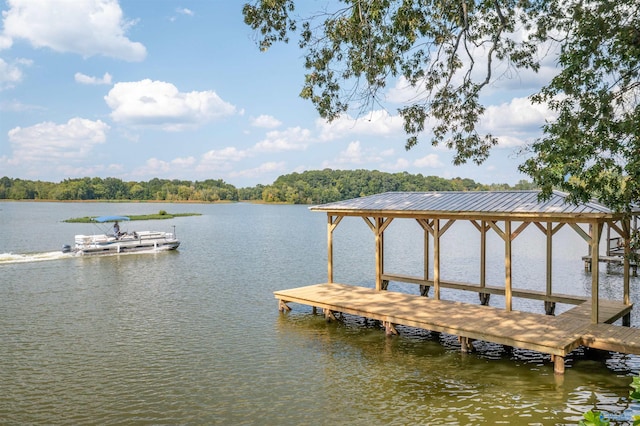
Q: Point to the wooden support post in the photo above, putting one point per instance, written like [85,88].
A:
[426,255]
[331,226]
[596,228]
[329,315]
[549,233]
[507,265]
[390,329]
[483,259]
[484,298]
[436,259]
[424,290]
[385,285]
[550,307]
[282,306]
[558,364]
[378,227]
[626,230]
[466,345]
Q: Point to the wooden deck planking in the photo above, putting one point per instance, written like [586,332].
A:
[555,335]
[609,311]
[611,338]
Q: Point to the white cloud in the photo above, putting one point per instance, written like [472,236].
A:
[5,42]
[84,27]
[160,104]
[185,11]
[11,73]
[376,123]
[266,121]
[292,139]
[430,161]
[401,164]
[156,167]
[85,79]
[89,170]
[355,154]
[261,170]
[17,106]
[217,160]
[48,142]
[516,121]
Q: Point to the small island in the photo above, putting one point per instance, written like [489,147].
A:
[162,214]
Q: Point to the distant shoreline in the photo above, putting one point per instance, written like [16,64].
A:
[9,200]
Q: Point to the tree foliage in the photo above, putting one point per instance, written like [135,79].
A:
[593,148]
[310,187]
[324,186]
[448,50]
[116,189]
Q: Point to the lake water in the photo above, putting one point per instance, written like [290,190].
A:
[194,336]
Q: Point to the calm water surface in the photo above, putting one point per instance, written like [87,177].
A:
[194,336]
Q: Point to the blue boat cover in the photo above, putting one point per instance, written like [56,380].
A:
[102,219]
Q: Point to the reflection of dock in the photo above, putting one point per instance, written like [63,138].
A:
[554,335]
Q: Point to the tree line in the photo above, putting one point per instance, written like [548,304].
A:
[309,187]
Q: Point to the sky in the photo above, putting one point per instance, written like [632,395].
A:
[143,89]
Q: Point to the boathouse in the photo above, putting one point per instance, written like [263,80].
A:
[590,322]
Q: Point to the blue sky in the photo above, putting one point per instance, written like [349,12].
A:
[137,89]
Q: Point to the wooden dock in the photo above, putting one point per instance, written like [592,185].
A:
[507,214]
[554,335]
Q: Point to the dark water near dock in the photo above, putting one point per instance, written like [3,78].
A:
[194,336]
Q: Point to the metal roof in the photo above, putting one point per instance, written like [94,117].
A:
[103,219]
[453,203]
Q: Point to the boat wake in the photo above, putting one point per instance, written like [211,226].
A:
[6,258]
[9,258]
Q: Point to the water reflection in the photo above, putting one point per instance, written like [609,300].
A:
[421,375]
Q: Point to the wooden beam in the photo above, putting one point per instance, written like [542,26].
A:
[557,228]
[282,306]
[614,226]
[426,255]
[558,364]
[521,228]
[332,223]
[379,252]
[626,235]
[446,226]
[378,225]
[495,227]
[483,253]
[549,257]
[507,265]
[541,227]
[465,286]
[427,225]
[595,270]
[585,236]
[436,259]
[371,225]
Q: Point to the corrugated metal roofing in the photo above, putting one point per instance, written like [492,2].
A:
[481,203]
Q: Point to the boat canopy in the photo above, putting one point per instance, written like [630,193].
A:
[103,219]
